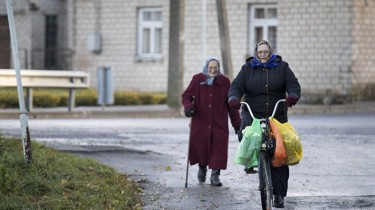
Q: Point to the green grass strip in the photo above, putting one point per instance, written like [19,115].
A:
[58,180]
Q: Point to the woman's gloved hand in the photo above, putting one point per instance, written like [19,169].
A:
[189,112]
[237,129]
[235,104]
[291,101]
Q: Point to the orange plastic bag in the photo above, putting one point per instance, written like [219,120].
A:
[279,156]
[292,142]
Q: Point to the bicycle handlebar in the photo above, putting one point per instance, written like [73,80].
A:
[274,109]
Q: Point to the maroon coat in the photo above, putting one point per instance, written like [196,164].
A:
[209,128]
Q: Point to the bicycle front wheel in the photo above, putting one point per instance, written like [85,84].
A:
[265,180]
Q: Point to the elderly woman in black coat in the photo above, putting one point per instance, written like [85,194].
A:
[263,80]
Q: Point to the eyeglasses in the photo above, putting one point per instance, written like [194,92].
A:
[263,52]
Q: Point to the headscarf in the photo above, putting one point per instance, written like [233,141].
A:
[209,80]
[260,43]
[271,62]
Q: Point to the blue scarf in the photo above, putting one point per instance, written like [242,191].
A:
[272,62]
[209,80]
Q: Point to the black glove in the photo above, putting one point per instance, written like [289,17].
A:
[291,101]
[239,135]
[189,112]
[237,129]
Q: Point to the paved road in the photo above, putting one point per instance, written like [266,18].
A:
[336,172]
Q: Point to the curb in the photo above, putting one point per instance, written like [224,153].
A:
[357,107]
[163,111]
[142,111]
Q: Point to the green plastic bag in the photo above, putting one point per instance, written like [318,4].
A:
[247,153]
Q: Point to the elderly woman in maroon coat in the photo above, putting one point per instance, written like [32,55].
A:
[206,101]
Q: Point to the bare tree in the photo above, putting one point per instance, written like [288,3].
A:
[176,53]
[226,52]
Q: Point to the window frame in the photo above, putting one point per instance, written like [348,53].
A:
[264,23]
[153,26]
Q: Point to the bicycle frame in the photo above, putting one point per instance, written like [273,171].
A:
[264,166]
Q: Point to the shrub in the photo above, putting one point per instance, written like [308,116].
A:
[138,98]
[8,98]
[86,97]
[127,98]
[43,97]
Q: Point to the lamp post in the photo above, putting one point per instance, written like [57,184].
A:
[23,113]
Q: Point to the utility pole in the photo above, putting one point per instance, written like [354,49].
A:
[23,113]
[176,53]
[226,52]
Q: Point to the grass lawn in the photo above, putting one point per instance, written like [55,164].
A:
[58,180]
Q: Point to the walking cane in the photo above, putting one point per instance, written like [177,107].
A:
[187,161]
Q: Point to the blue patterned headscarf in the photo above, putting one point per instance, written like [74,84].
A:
[209,80]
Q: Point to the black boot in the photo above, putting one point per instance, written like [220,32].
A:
[215,181]
[278,201]
[202,174]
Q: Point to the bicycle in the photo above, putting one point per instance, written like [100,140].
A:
[265,153]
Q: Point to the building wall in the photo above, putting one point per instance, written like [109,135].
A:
[48,7]
[328,44]
[29,18]
[117,23]
[315,38]
[319,39]
[22,22]
[194,56]
[119,32]
[238,16]
[363,63]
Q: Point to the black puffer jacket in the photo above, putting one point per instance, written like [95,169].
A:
[262,87]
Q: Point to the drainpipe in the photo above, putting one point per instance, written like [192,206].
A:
[71,33]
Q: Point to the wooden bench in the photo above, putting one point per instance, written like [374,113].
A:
[46,79]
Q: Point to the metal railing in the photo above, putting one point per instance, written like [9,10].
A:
[46,79]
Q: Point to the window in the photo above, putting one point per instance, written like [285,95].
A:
[150,33]
[50,58]
[263,25]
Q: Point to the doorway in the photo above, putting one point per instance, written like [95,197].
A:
[4,43]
